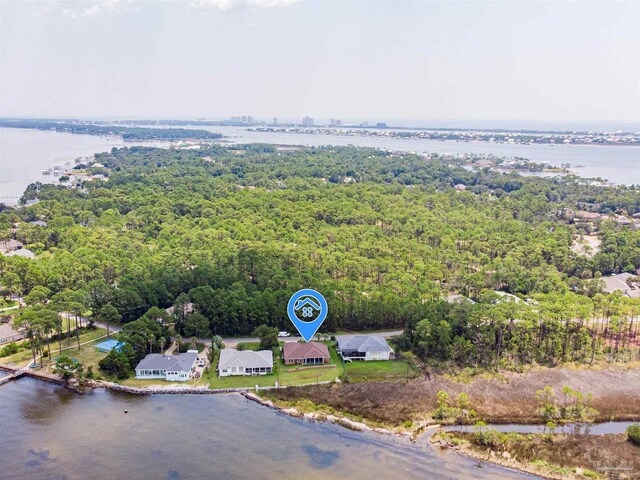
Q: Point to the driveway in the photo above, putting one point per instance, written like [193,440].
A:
[200,370]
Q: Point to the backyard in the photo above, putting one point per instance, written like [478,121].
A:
[87,354]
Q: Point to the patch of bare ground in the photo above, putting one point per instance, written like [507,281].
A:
[586,245]
[509,399]
[560,456]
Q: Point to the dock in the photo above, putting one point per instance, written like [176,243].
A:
[15,373]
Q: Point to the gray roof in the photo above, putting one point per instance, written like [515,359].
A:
[619,282]
[23,252]
[175,363]
[7,331]
[456,298]
[363,343]
[9,245]
[230,357]
[507,297]
[39,223]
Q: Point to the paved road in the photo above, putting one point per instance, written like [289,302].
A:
[233,341]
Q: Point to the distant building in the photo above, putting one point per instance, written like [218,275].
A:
[12,245]
[582,215]
[23,252]
[457,298]
[460,187]
[621,282]
[186,309]
[507,297]
[335,122]
[363,347]
[381,125]
[39,223]
[307,122]
[173,368]
[275,121]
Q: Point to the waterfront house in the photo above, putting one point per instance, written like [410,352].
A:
[172,368]
[8,334]
[363,347]
[245,362]
[311,353]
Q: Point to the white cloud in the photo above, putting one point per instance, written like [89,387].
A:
[84,8]
[235,5]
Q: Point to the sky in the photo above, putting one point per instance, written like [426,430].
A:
[503,62]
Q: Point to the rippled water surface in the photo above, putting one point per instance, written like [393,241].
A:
[50,433]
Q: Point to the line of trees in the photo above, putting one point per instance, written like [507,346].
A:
[226,235]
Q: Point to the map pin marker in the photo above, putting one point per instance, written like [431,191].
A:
[307,309]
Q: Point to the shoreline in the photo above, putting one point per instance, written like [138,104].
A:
[538,454]
[504,460]
[500,461]
[314,414]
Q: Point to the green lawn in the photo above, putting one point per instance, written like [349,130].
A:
[85,351]
[295,374]
[88,354]
[255,346]
[289,375]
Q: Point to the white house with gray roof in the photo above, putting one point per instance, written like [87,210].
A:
[245,362]
[363,347]
[173,368]
[8,334]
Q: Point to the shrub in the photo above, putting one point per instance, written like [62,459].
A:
[10,349]
[633,433]
[489,437]
[408,424]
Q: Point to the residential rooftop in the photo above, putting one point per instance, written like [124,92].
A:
[363,343]
[294,350]
[230,357]
[178,363]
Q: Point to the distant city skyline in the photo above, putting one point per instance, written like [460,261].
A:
[408,63]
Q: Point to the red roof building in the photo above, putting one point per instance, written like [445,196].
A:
[311,353]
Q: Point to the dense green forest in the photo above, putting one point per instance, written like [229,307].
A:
[127,133]
[384,237]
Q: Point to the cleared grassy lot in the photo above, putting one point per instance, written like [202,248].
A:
[85,354]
